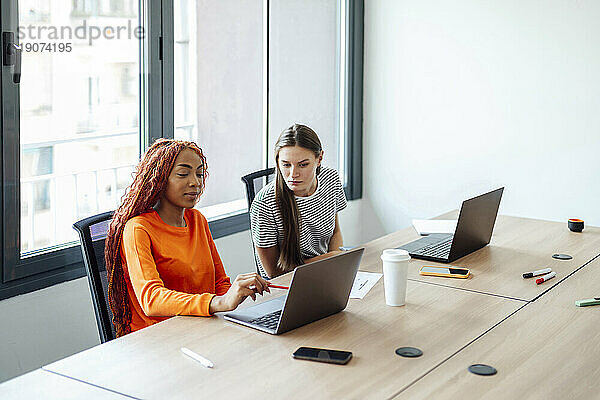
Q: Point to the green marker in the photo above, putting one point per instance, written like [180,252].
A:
[588,302]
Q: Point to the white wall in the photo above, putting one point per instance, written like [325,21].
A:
[487,94]
[44,326]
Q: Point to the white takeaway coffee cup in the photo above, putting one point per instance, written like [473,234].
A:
[395,267]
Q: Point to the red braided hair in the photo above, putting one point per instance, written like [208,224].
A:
[148,186]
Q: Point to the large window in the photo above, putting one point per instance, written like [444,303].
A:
[304,72]
[219,93]
[79,118]
[71,127]
[101,79]
[244,70]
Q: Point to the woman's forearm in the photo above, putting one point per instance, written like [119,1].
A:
[268,258]
[336,240]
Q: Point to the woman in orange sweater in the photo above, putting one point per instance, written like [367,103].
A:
[160,256]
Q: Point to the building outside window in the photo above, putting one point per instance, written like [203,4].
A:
[79,124]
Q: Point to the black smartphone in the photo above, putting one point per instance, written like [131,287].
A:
[323,355]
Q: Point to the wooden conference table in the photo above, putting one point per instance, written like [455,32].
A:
[40,384]
[442,317]
[548,350]
[252,364]
[518,245]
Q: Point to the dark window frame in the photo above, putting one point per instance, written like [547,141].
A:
[19,276]
[354,96]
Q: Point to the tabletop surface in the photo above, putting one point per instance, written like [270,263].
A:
[448,319]
[40,384]
[249,363]
[518,245]
[548,349]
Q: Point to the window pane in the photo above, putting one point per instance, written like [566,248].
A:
[304,58]
[218,93]
[79,113]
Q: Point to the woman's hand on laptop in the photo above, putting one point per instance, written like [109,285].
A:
[243,286]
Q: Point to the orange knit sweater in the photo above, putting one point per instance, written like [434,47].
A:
[170,270]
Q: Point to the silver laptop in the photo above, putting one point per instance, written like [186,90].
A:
[317,290]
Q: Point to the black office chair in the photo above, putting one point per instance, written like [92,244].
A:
[254,182]
[92,234]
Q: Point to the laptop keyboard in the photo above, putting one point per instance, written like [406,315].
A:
[268,321]
[439,250]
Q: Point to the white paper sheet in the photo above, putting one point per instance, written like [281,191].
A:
[363,282]
[427,226]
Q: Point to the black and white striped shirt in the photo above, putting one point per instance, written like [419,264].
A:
[317,216]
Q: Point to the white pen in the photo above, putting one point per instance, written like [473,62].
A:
[545,278]
[204,361]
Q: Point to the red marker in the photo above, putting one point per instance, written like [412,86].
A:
[545,278]
[277,286]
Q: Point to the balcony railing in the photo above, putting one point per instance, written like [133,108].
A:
[56,220]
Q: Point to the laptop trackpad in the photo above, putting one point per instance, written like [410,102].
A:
[258,310]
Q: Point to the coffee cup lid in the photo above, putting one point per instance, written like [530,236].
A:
[395,255]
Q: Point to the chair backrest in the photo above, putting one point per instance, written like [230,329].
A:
[254,182]
[92,234]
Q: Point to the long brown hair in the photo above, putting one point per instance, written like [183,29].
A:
[289,251]
[148,186]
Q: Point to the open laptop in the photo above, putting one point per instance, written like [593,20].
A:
[317,290]
[473,231]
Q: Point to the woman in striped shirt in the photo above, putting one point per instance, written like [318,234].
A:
[294,218]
